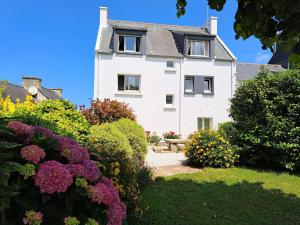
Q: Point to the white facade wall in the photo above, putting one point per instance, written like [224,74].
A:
[156,82]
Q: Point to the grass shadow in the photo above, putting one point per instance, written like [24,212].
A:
[190,202]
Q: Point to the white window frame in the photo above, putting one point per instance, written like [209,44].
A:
[206,54]
[125,49]
[203,124]
[128,75]
[210,85]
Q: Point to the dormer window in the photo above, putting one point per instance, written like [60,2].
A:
[199,48]
[129,43]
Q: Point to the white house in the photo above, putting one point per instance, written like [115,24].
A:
[176,78]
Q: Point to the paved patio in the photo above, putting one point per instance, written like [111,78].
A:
[168,163]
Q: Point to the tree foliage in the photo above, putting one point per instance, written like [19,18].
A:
[266,120]
[268,20]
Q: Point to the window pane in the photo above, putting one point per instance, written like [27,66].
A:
[132,83]
[121,82]
[207,48]
[121,43]
[207,85]
[189,84]
[200,123]
[138,44]
[170,64]
[206,123]
[169,99]
[130,43]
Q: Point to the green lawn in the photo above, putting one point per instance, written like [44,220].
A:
[223,196]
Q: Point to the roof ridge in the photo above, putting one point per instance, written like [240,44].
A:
[159,24]
[266,64]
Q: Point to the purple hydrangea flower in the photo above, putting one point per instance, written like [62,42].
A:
[33,153]
[53,177]
[92,173]
[76,154]
[77,170]
[44,131]
[95,194]
[33,218]
[20,128]
[116,213]
[72,150]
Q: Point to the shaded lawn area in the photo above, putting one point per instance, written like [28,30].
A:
[223,197]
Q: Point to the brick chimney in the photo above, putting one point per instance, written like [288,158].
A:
[58,91]
[28,82]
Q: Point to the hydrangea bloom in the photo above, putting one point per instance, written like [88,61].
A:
[33,218]
[53,177]
[71,221]
[33,153]
[77,170]
[92,173]
[95,194]
[116,213]
[75,154]
[72,150]
[20,128]
[44,131]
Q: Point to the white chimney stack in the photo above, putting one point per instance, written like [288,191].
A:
[103,16]
[212,25]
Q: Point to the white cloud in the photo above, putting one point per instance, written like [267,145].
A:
[263,57]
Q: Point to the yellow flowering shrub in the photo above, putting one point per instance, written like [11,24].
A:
[210,148]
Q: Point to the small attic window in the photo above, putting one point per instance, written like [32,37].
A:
[129,43]
[199,48]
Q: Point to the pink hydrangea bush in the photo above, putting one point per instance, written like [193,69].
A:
[66,179]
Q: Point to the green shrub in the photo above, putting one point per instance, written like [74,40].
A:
[209,148]
[154,138]
[135,135]
[61,116]
[110,142]
[266,117]
[116,157]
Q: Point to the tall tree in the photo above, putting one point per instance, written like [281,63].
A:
[271,21]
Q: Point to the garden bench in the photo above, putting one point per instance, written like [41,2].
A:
[174,144]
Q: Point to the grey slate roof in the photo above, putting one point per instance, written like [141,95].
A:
[280,57]
[247,71]
[18,92]
[161,39]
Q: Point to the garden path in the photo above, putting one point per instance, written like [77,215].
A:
[168,163]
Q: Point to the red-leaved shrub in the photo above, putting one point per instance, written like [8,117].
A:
[106,111]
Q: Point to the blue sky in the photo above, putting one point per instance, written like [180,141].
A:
[55,39]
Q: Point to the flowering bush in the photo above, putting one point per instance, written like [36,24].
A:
[107,111]
[49,179]
[60,116]
[119,156]
[209,148]
[171,135]
[153,138]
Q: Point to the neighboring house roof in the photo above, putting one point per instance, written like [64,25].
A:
[280,57]
[18,92]
[161,39]
[247,71]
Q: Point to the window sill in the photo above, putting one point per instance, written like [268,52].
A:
[169,107]
[127,93]
[198,57]
[129,53]
[190,93]
[208,93]
[170,70]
